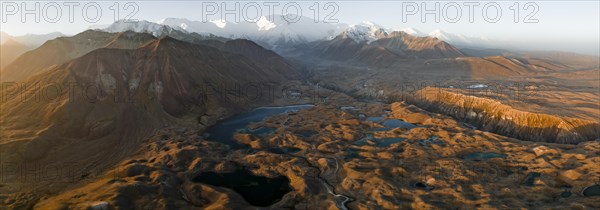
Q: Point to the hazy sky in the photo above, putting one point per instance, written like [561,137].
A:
[561,25]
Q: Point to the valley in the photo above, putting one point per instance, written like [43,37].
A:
[152,116]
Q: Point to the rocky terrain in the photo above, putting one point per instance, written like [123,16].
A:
[95,110]
[438,164]
[500,118]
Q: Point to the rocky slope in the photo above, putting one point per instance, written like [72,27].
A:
[96,108]
[496,117]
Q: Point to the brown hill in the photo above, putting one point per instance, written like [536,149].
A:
[572,59]
[419,47]
[119,96]
[495,67]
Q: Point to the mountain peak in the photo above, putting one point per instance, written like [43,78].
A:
[365,31]
[370,24]
[141,26]
[411,31]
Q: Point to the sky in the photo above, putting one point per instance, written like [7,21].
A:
[540,25]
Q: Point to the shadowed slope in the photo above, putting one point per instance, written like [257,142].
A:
[115,97]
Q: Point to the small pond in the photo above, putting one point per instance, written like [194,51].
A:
[379,142]
[394,123]
[256,190]
[348,108]
[593,190]
[530,178]
[284,150]
[483,156]
[353,153]
[305,133]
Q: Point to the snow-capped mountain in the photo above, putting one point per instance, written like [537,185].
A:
[213,27]
[273,31]
[282,32]
[365,31]
[369,31]
[142,26]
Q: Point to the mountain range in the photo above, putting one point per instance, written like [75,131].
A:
[378,47]
[274,32]
[366,42]
[12,47]
[30,40]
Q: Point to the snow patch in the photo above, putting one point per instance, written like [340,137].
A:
[264,24]
[219,23]
[184,26]
[142,26]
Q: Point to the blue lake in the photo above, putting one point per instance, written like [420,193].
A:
[593,190]
[259,131]
[380,142]
[224,130]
